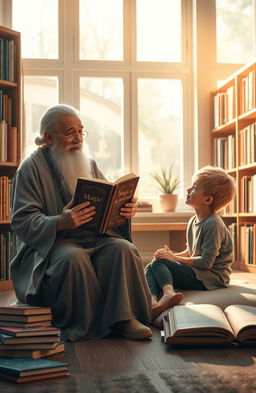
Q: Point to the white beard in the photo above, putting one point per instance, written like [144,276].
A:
[70,166]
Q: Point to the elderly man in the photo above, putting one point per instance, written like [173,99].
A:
[94,283]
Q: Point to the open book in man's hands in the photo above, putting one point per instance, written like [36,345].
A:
[108,198]
[207,324]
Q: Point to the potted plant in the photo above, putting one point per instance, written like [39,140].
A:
[167,183]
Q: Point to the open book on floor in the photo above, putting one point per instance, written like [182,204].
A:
[207,324]
[108,198]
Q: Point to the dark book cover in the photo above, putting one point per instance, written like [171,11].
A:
[7,339]
[24,318]
[36,353]
[108,198]
[24,310]
[31,378]
[30,331]
[99,195]
[24,324]
[28,366]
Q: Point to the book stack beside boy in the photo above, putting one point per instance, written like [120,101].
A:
[28,332]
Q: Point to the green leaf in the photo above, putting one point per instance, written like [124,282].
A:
[167,182]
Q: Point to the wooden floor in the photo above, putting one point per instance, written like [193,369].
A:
[116,365]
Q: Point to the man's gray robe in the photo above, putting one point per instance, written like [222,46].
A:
[90,287]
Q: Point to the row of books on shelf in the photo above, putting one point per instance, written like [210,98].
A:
[9,143]
[7,252]
[233,231]
[9,137]
[248,194]
[231,208]
[224,102]
[5,194]
[247,144]
[224,107]
[6,108]
[225,152]
[248,92]
[27,336]
[247,243]
[225,149]
[8,55]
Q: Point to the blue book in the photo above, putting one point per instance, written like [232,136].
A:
[26,366]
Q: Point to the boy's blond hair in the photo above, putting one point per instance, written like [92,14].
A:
[218,184]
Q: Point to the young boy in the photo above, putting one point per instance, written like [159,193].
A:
[206,262]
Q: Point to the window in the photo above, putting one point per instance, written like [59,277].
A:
[160,128]
[101,33]
[127,77]
[159,30]
[40,92]
[130,69]
[104,96]
[235,30]
[39,30]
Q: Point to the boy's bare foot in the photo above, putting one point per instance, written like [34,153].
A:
[166,301]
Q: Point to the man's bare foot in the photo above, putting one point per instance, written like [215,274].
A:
[166,301]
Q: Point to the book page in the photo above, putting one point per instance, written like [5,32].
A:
[242,318]
[125,177]
[93,179]
[199,319]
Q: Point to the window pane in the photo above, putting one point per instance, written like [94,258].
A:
[35,105]
[160,130]
[234,30]
[101,30]
[101,106]
[158,30]
[38,23]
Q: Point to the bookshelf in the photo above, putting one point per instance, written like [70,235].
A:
[234,149]
[10,139]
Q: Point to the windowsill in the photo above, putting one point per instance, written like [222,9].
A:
[155,217]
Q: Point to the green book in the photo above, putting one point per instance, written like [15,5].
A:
[26,366]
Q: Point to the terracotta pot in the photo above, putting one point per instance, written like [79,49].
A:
[168,202]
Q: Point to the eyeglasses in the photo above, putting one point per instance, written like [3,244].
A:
[81,134]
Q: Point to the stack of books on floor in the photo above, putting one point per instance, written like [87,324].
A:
[27,332]
[27,335]
[28,370]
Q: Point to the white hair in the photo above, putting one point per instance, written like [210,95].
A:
[70,166]
[49,120]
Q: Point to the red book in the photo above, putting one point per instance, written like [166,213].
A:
[31,331]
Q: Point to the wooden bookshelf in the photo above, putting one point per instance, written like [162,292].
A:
[234,149]
[10,139]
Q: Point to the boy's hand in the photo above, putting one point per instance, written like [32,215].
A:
[165,253]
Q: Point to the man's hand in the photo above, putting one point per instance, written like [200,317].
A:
[74,217]
[129,210]
[165,253]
